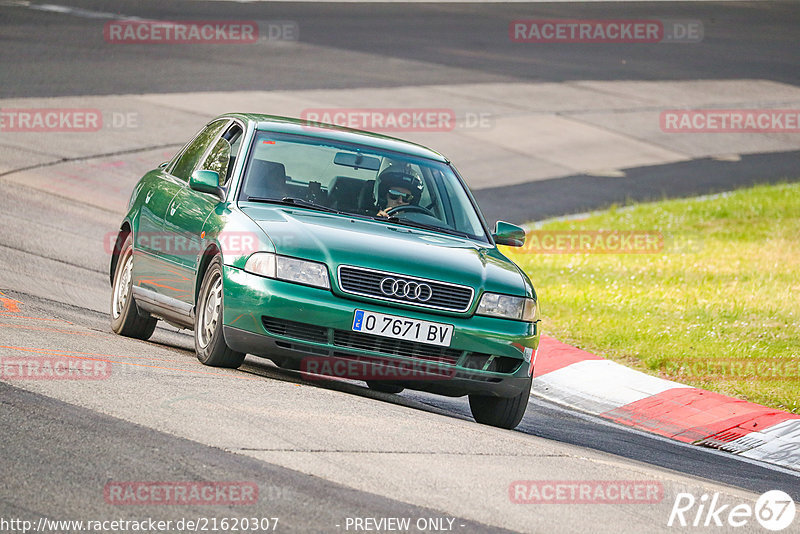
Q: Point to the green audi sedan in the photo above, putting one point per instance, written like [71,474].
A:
[333,252]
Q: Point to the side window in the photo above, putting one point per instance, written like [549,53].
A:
[223,155]
[191,155]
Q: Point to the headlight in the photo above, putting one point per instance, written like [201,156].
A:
[271,265]
[261,263]
[309,273]
[508,307]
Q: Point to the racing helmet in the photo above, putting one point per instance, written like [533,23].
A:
[399,175]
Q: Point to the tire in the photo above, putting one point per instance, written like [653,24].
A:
[498,411]
[383,387]
[209,341]
[126,317]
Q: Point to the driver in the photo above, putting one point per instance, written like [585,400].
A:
[398,185]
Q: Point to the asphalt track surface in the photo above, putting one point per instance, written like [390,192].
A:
[46,54]
[60,447]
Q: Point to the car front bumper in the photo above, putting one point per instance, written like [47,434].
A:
[302,327]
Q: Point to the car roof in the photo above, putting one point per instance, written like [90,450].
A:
[274,123]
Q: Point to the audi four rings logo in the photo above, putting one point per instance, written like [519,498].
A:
[391,287]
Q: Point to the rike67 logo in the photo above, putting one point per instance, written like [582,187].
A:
[774,510]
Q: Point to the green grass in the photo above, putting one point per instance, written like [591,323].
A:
[726,287]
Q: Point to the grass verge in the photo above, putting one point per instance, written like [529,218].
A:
[713,300]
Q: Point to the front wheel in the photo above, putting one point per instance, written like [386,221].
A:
[499,411]
[126,318]
[209,342]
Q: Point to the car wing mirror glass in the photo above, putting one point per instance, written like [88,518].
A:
[508,234]
[206,181]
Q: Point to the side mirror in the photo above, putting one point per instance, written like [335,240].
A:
[508,234]
[207,182]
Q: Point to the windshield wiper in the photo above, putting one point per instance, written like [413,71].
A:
[423,226]
[294,202]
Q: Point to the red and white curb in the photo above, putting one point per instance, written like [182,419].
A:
[582,380]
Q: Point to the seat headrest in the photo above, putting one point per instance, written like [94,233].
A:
[266,179]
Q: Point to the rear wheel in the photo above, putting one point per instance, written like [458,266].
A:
[500,411]
[126,318]
[383,387]
[209,342]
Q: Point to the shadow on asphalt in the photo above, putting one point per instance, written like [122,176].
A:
[534,201]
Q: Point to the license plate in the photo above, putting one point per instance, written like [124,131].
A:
[396,327]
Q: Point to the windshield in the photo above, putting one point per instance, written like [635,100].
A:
[359,180]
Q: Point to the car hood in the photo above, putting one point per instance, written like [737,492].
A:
[341,240]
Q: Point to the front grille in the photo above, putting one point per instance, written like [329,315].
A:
[395,347]
[366,282]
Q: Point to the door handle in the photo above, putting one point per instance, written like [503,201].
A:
[172,210]
[148,197]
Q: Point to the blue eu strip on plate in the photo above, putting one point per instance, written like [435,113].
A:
[358,320]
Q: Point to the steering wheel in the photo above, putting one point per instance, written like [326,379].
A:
[412,208]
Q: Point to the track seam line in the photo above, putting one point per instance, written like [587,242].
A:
[93,156]
[432,453]
[53,259]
